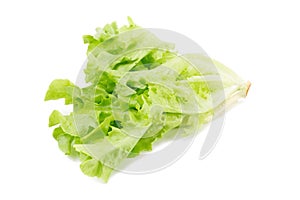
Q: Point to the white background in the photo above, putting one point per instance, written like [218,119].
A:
[258,155]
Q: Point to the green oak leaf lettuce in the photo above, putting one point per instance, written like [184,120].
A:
[138,89]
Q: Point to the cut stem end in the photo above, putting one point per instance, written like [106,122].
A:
[248,85]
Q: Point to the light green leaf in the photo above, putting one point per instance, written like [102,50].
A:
[60,88]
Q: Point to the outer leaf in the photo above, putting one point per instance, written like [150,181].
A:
[60,88]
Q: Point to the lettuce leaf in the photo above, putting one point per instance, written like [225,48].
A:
[139,89]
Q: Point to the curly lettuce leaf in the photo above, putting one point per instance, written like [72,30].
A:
[139,89]
[60,88]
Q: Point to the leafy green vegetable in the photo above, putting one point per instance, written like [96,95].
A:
[139,89]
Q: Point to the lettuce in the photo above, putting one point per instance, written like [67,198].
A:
[138,89]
